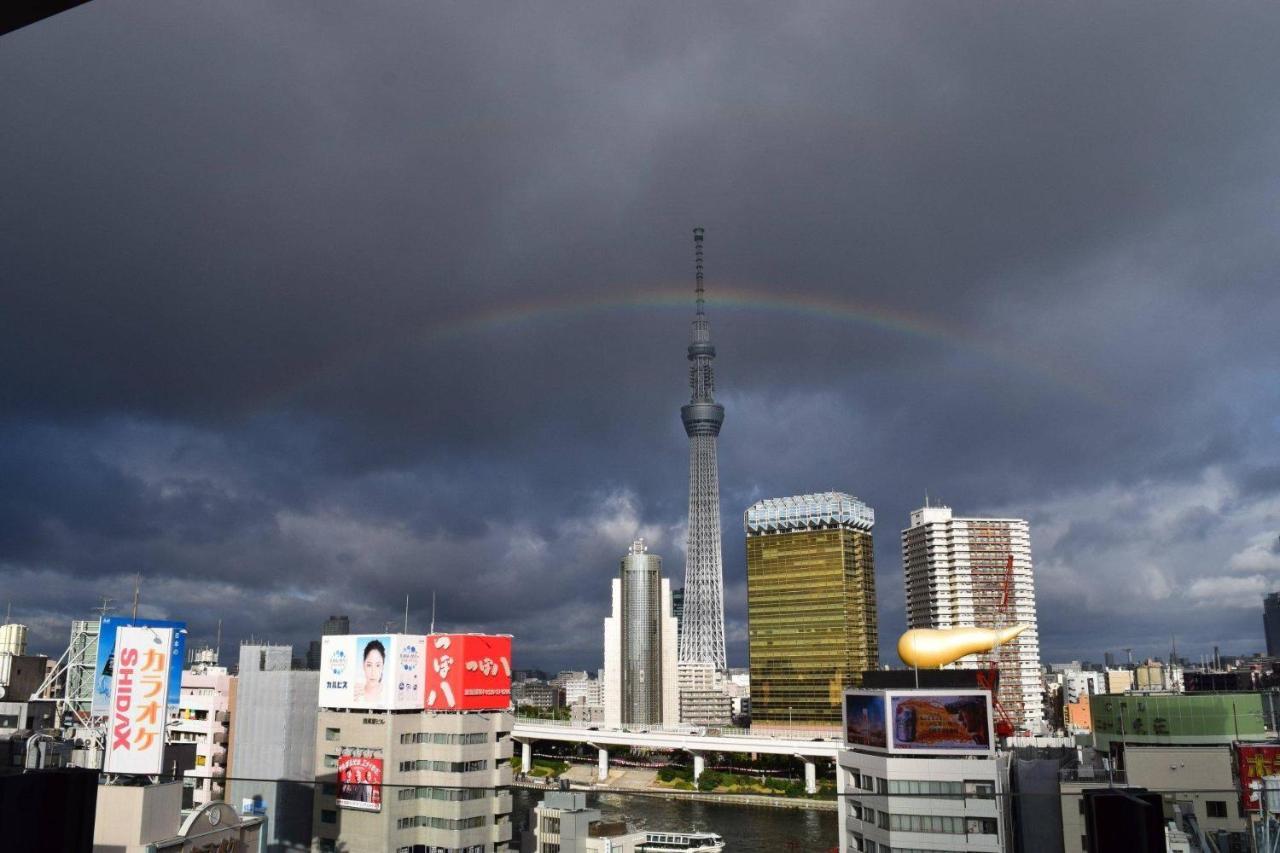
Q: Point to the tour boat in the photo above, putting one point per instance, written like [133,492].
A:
[681,842]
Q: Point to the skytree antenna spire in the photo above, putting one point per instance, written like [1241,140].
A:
[702,630]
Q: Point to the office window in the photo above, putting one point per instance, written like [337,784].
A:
[1216,808]
[332,734]
[328,816]
[331,761]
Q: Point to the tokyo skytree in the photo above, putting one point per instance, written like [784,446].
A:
[702,631]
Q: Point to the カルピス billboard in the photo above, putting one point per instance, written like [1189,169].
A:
[372,671]
[468,672]
[139,688]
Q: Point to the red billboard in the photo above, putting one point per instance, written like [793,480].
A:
[468,672]
[1254,762]
[360,780]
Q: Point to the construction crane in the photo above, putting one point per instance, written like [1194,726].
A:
[989,672]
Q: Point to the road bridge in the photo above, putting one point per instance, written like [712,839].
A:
[696,742]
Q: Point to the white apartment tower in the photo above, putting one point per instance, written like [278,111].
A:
[955,570]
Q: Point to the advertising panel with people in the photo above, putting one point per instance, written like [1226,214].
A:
[372,671]
[360,779]
[940,722]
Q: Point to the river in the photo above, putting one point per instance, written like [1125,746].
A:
[745,829]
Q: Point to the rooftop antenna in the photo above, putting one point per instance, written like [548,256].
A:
[433,612]
[8,611]
[406,612]
[104,608]
[697,265]
[217,651]
[137,586]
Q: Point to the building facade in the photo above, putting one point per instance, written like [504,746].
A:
[272,752]
[444,784]
[955,574]
[1188,719]
[811,606]
[704,695]
[204,718]
[640,645]
[702,625]
[916,803]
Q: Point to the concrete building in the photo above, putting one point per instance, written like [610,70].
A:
[1081,683]
[704,699]
[1075,717]
[204,718]
[149,819]
[1201,776]
[534,693]
[641,645]
[562,823]
[811,606]
[955,571]
[1118,681]
[895,793]
[272,751]
[445,781]
[333,626]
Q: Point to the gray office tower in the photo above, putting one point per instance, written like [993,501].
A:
[1271,622]
[702,626]
[640,673]
[273,738]
[333,626]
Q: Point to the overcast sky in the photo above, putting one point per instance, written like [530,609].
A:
[310,305]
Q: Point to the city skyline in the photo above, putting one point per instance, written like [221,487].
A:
[410,319]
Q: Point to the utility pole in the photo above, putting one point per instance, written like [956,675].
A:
[137,585]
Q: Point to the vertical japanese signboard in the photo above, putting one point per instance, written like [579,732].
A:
[1255,762]
[468,672]
[139,693]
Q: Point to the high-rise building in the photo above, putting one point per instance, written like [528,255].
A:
[955,573]
[272,745]
[702,629]
[640,676]
[677,609]
[811,606]
[1271,622]
[204,717]
[333,626]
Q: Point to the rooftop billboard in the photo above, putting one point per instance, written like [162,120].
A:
[468,672]
[105,664]
[381,672]
[139,684]
[922,722]
[864,720]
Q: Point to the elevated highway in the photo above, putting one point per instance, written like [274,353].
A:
[697,742]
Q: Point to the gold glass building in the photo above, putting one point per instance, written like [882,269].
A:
[811,606]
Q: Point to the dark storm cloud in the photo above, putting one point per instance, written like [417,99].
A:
[264,268]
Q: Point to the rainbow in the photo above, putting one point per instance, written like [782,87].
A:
[728,299]
[723,300]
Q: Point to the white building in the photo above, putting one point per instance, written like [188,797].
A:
[564,823]
[900,788]
[204,719]
[704,694]
[1080,683]
[955,571]
[640,646]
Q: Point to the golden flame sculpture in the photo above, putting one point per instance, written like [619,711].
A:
[930,648]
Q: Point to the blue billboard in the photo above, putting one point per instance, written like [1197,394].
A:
[106,659]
